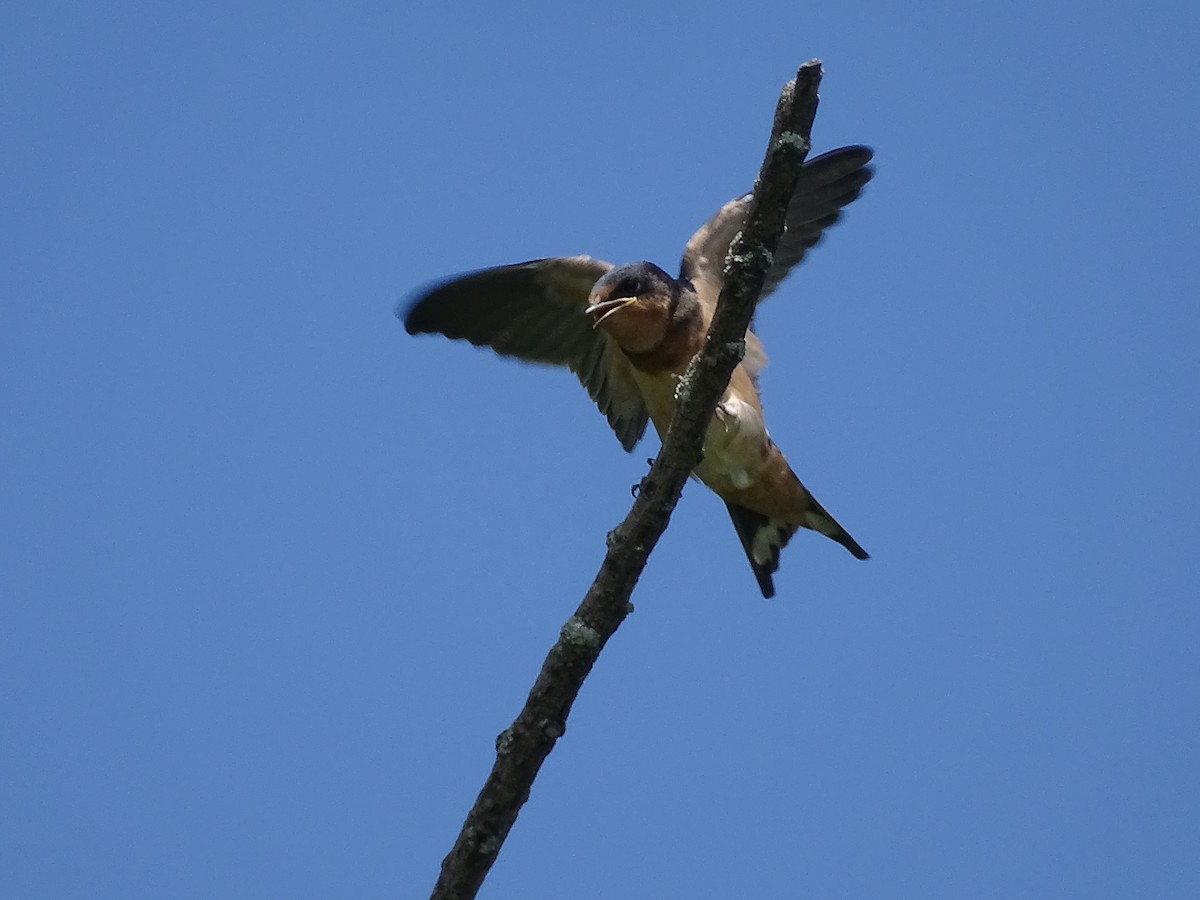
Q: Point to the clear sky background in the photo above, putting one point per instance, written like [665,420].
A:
[274,574]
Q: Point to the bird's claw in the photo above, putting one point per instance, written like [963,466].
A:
[645,485]
[721,414]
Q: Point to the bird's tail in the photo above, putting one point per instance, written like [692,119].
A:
[818,519]
[762,538]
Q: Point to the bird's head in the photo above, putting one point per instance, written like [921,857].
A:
[636,305]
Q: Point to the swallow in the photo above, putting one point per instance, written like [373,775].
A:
[629,332]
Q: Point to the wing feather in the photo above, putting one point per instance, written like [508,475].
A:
[535,311]
[828,183]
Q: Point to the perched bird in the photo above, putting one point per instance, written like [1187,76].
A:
[628,333]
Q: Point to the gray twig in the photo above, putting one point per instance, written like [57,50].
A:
[522,747]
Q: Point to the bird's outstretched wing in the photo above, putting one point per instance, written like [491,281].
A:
[827,183]
[535,311]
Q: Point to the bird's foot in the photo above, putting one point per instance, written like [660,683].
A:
[722,414]
[645,484]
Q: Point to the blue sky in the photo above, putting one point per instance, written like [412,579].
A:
[274,573]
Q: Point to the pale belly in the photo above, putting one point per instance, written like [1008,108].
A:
[736,445]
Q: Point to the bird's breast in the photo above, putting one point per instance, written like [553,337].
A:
[736,445]
[667,354]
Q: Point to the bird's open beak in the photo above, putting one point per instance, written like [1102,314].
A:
[606,308]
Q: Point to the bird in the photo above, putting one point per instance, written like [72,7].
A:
[628,333]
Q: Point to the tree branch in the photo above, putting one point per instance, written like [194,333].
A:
[524,745]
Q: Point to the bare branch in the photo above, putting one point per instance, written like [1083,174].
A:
[522,747]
